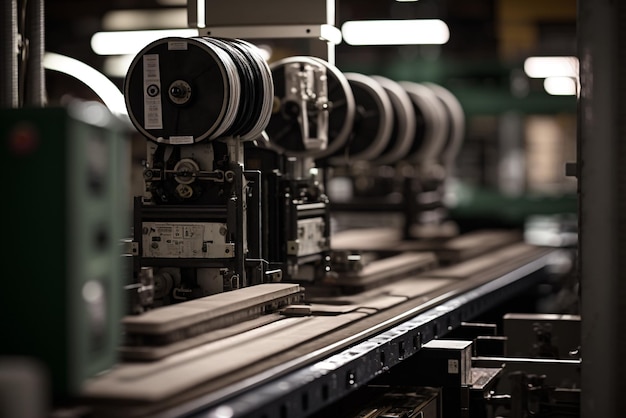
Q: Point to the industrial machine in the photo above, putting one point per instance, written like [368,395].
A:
[400,158]
[313,114]
[291,250]
[197,225]
[260,308]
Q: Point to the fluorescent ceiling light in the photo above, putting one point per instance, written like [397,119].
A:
[395,32]
[542,67]
[145,19]
[131,42]
[104,88]
[560,86]
[117,65]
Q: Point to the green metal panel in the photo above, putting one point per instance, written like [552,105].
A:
[61,302]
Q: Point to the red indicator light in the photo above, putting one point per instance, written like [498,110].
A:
[23,140]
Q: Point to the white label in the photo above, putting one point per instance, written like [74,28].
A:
[453,366]
[177,45]
[177,140]
[310,237]
[153,118]
[186,240]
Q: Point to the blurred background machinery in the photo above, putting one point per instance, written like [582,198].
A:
[406,228]
[482,64]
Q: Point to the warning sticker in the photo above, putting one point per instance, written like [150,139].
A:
[153,113]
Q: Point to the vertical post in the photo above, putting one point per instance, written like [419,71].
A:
[8,59]
[35,92]
[602,205]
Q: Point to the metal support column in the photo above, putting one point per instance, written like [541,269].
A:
[602,186]
[35,90]
[8,49]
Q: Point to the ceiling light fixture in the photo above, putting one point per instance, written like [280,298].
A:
[396,32]
[560,86]
[543,67]
[131,42]
[145,19]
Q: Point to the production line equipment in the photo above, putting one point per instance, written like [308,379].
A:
[196,100]
[242,155]
[400,157]
[260,309]
[313,114]
[232,197]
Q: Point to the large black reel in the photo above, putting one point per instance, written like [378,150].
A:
[182,91]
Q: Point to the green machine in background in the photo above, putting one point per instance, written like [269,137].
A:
[65,179]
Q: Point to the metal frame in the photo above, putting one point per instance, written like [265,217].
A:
[602,214]
[323,32]
[301,387]
[314,40]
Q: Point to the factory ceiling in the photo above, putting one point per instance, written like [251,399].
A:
[481,31]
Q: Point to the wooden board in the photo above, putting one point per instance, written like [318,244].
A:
[386,270]
[149,353]
[170,329]
[209,308]
[141,389]
[448,249]
[154,381]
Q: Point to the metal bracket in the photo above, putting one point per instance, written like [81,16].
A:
[328,33]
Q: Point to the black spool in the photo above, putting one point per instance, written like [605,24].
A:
[373,122]
[196,64]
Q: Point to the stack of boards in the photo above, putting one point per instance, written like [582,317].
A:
[204,347]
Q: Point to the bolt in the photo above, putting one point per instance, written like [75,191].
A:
[177,92]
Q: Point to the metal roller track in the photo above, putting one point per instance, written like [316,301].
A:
[303,385]
[311,388]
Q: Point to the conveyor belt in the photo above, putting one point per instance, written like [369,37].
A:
[448,250]
[215,372]
[302,392]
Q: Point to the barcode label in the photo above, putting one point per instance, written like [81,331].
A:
[153,112]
